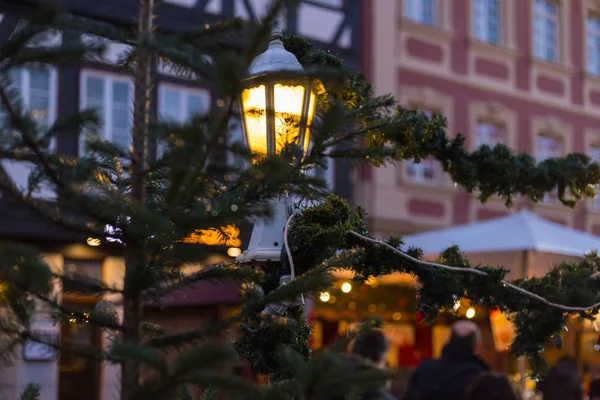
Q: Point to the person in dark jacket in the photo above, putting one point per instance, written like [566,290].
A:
[594,393]
[563,381]
[369,352]
[448,377]
[490,386]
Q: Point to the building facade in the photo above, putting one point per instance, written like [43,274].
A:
[522,73]
[51,93]
[525,73]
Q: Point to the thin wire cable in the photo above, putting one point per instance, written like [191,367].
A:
[287,246]
[478,272]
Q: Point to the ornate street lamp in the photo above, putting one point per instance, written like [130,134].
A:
[278,104]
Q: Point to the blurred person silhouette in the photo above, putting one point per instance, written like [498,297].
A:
[448,377]
[491,386]
[594,393]
[369,352]
[562,382]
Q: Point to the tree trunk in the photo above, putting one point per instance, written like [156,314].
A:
[135,258]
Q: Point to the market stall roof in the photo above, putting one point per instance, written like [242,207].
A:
[518,232]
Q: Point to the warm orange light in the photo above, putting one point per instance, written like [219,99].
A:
[234,251]
[288,105]
[470,313]
[346,287]
[226,236]
[324,297]
[288,101]
[94,242]
[457,305]
[254,101]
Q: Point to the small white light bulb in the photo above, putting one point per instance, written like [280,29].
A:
[456,306]
[234,251]
[470,313]
[94,242]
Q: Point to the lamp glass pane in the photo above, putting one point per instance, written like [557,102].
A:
[311,114]
[288,111]
[254,102]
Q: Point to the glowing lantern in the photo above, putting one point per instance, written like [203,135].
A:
[278,103]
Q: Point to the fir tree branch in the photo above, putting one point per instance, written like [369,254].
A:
[222,272]
[593,307]
[192,336]
[25,126]
[46,211]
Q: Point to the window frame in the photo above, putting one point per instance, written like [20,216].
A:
[436,18]
[107,100]
[550,125]
[552,197]
[592,15]
[492,113]
[592,139]
[427,98]
[185,92]
[562,40]
[595,202]
[501,23]
[25,88]
[499,127]
[421,167]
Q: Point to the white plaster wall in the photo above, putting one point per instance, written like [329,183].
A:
[113,274]
[13,378]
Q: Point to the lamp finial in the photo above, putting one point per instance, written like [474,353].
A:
[276,35]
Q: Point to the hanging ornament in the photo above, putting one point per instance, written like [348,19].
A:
[597,345]
[420,317]
[558,341]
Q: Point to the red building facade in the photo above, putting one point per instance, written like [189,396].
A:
[521,72]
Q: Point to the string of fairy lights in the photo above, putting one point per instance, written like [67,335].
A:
[470,313]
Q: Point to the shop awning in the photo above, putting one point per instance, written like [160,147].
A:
[518,232]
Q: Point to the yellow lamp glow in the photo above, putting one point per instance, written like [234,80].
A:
[324,297]
[277,115]
[234,251]
[254,101]
[278,101]
[470,313]
[346,287]
[94,242]
[288,111]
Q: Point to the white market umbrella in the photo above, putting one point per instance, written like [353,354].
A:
[522,231]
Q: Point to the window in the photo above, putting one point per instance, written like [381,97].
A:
[594,153]
[486,20]
[112,97]
[549,147]
[593,45]
[179,104]
[490,134]
[426,171]
[546,26]
[423,11]
[37,88]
